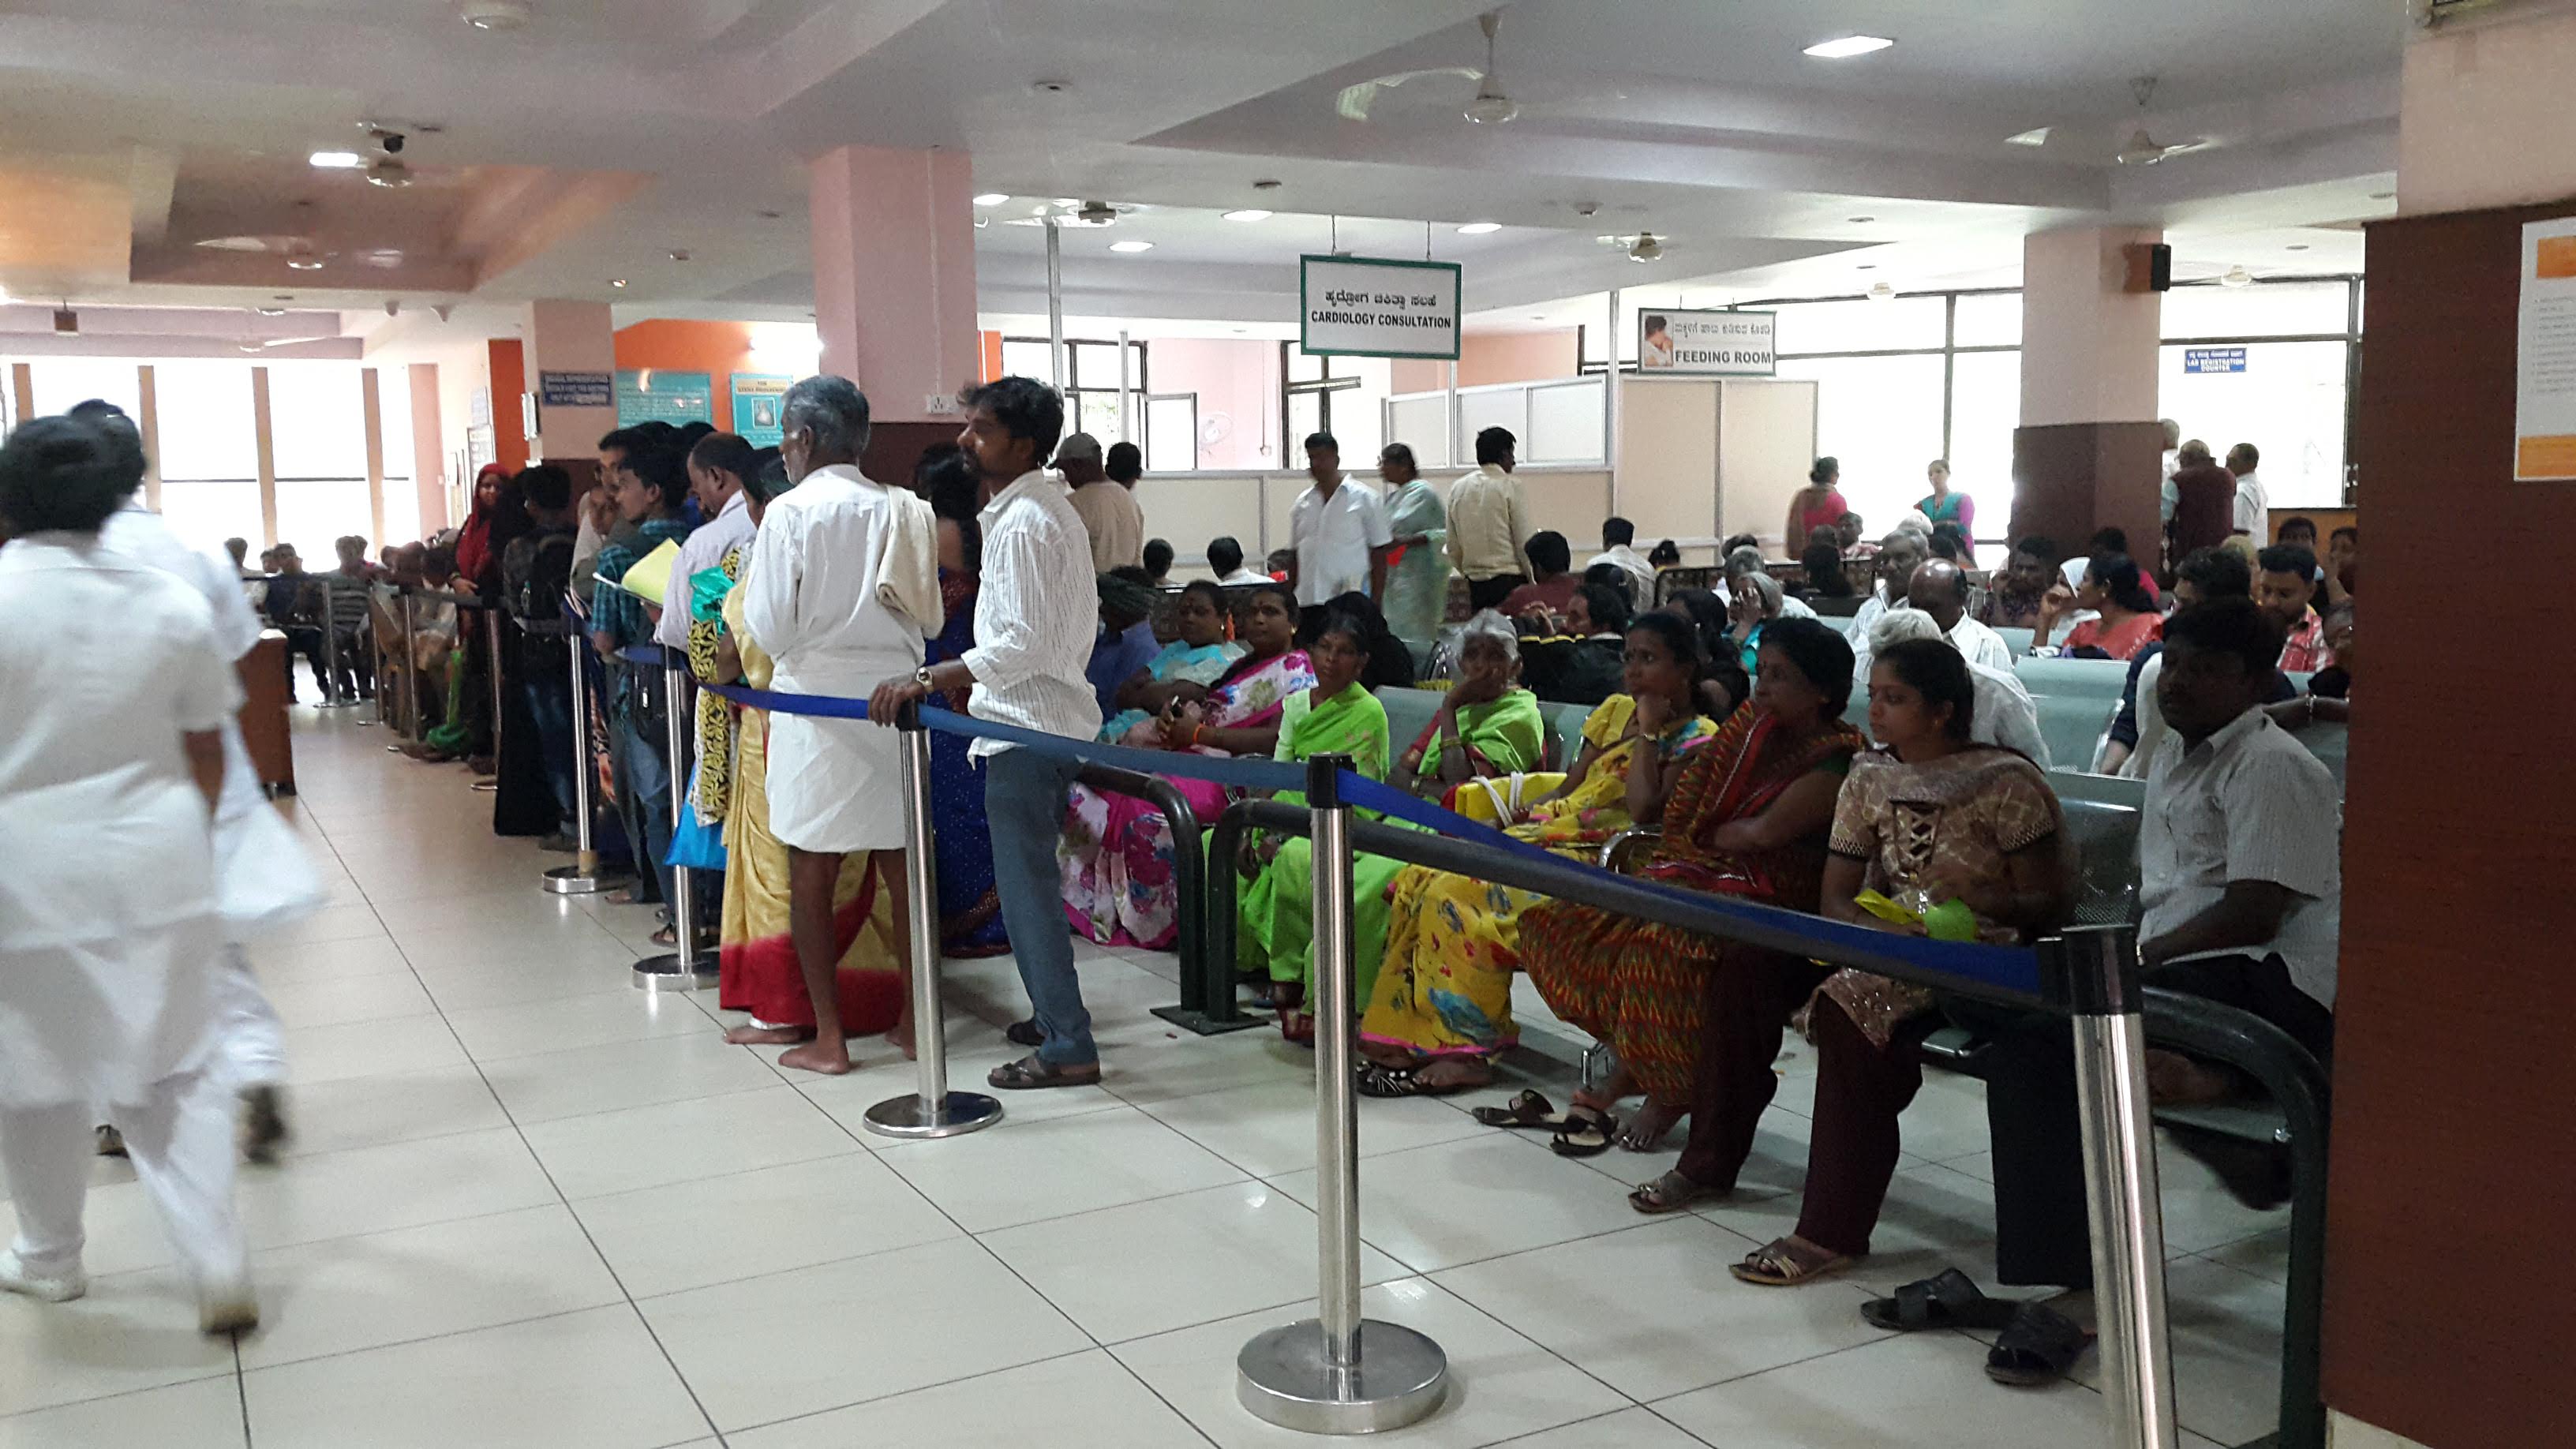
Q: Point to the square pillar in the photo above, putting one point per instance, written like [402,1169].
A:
[2088,451]
[564,337]
[894,276]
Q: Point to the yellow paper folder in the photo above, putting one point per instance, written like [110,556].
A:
[649,578]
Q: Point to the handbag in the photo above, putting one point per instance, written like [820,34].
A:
[695,845]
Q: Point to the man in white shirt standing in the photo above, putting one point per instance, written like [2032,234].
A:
[2253,504]
[1618,546]
[843,589]
[1489,525]
[1339,531]
[1034,619]
[1111,516]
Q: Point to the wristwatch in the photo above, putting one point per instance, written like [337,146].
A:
[921,676]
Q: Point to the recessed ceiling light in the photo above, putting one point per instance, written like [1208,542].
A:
[2035,136]
[304,264]
[678,254]
[337,160]
[494,14]
[1251,213]
[617,282]
[270,311]
[1848,46]
[2383,196]
[992,198]
[1131,246]
[1479,228]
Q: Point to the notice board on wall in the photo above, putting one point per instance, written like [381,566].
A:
[758,400]
[652,394]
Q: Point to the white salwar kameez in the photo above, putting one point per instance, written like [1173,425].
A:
[108,922]
[263,879]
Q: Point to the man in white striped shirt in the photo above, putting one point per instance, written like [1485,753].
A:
[1034,620]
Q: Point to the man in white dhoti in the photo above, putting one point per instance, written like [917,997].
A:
[116,697]
[263,878]
[842,590]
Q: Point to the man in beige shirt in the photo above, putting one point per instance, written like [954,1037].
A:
[1109,511]
[1489,523]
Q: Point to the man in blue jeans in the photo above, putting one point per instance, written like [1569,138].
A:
[1034,621]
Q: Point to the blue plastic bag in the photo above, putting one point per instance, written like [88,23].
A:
[694,844]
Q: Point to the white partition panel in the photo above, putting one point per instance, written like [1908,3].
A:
[1188,512]
[1491,407]
[1668,456]
[1564,422]
[1421,421]
[1766,442]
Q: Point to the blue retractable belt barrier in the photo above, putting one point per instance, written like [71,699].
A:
[2009,968]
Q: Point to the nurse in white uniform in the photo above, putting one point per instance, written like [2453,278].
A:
[263,879]
[116,697]
[842,589]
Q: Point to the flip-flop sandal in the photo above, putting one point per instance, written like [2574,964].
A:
[1025,1033]
[1669,1193]
[1773,1266]
[1376,1079]
[2037,1347]
[1948,1299]
[1033,1072]
[1529,1110]
[1586,1133]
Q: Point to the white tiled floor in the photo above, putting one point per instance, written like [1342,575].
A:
[530,1206]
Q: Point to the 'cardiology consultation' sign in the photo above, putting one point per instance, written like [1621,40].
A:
[1373,307]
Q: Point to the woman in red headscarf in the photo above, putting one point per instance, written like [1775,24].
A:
[474,541]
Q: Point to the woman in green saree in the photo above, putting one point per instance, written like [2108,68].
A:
[1487,725]
[1275,932]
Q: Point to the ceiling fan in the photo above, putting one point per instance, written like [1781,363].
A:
[1642,247]
[2143,149]
[1079,213]
[1490,105]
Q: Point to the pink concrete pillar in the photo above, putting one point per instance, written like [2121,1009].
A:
[894,275]
[2087,452]
[568,337]
[428,449]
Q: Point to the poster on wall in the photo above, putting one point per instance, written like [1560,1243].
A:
[2544,354]
[757,397]
[575,390]
[651,394]
[1376,307]
[1707,343]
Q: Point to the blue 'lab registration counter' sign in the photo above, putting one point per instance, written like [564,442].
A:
[2212,359]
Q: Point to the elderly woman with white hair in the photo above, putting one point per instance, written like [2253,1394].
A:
[1753,601]
[1747,560]
[2004,712]
[1487,725]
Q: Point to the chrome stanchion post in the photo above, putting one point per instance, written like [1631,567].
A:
[492,667]
[410,676]
[679,969]
[1337,1373]
[2097,968]
[932,1110]
[583,877]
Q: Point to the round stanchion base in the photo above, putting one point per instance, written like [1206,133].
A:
[1281,1378]
[572,880]
[909,1116]
[665,973]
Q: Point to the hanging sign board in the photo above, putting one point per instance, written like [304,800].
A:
[1375,307]
[653,394]
[2212,359]
[1721,344]
[2544,354]
[758,399]
[574,390]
